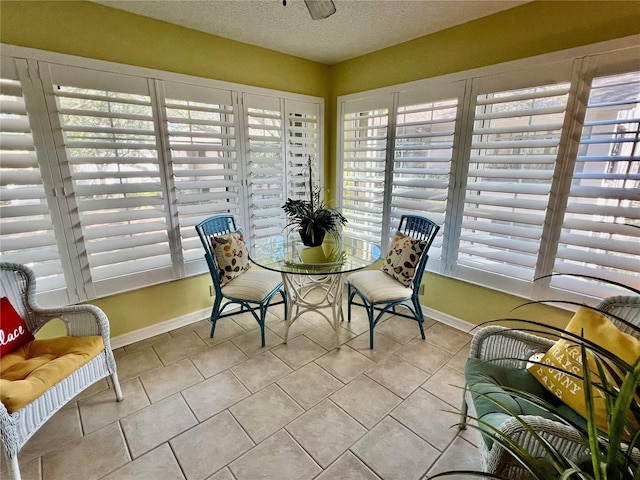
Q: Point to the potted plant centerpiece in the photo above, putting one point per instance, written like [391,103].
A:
[313,217]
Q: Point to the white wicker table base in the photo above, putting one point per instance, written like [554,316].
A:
[314,293]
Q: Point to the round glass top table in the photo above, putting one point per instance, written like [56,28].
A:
[313,277]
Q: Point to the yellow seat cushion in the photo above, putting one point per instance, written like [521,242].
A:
[29,371]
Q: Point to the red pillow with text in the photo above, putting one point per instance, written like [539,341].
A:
[13,331]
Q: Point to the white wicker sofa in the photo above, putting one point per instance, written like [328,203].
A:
[504,353]
[86,324]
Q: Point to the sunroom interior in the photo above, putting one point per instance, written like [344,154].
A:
[520,39]
[516,132]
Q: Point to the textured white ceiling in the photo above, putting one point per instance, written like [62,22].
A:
[358,27]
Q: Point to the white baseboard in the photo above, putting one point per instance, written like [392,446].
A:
[449,320]
[189,318]
[159,328]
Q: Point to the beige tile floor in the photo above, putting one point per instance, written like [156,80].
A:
[224,408]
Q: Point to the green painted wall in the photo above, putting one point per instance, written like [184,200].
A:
[532,29]
[147,306]
[94,31]
[477,304]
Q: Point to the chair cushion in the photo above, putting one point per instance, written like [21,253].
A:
[231,254]
[377,286]
[565,355]
[253,285]
[488,381]
[404,254]
[29,371]
[13,331]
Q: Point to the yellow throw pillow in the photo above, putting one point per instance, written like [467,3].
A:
[565,355]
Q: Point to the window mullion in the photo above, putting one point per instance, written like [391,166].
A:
[562,177]
[165,161]
[242,139]
[75,263]
[388,172]
[457,180]
[284,127]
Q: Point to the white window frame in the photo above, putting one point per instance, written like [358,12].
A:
[576,65]
[51,153]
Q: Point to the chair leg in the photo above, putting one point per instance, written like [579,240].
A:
[371,311]
[14,467]
[116,386]
[263,317]
[285,303]
[418,314]
[420,324]
[350,295]
[215,313]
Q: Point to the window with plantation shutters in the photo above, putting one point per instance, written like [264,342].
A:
[26,227]
[514,146]
[282,134]
[422,160]
[201,125]
[106,168]
[364,136]
[531,169]
[600,234]
[302,144]
[266,165]
[111,147]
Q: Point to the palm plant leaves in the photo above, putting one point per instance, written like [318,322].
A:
[610,453]
[312,214]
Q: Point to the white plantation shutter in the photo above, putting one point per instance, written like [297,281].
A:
[513,151]
[281,136]
[489,154]
[364,129]
[302,142]
[202,130]
[422,159]
[110,142]
[26,227]
[104,174]
[600,233]
[264,117]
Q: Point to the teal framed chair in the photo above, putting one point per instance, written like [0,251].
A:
[379,292]
[252,289]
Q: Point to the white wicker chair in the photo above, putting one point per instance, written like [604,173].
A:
[512,348]
[18,283]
